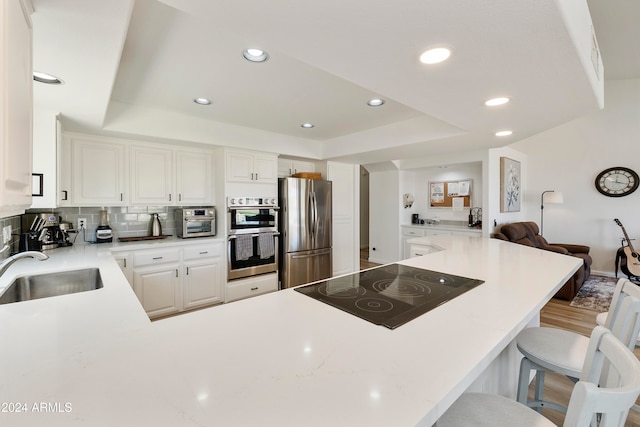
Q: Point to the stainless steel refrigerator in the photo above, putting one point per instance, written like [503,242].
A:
[305,230]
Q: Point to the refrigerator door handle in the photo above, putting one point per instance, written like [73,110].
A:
[315,217]
[314,254]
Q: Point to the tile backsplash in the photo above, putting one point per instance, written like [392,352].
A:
[126,221]
[14,222]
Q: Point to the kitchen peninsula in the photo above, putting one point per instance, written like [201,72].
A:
[278,359]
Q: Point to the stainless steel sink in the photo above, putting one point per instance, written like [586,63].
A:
[46,285]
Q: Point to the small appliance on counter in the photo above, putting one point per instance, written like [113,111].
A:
[43,233]
[195,222]
[104,234]
[415,219]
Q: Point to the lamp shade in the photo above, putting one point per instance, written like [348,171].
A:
[553,197]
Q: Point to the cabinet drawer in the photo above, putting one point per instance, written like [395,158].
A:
[159,256]
[412,232]
[208,250]
[240,289]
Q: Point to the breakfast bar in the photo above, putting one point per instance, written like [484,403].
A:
[279,359]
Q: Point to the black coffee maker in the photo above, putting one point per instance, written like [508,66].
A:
[415,219]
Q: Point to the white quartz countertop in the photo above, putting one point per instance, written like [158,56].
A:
[281,359]
[439,226]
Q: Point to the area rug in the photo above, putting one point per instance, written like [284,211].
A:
[595,294]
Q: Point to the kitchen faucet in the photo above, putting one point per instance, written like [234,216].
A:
[29,254]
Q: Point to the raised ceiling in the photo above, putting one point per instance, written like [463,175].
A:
[133,68]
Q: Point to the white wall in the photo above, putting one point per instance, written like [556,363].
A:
[384,219]
[568,158]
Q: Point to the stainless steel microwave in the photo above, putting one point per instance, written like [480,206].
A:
[195,222]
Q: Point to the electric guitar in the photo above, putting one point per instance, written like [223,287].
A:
[633,258]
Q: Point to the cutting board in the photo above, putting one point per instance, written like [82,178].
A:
[138,238]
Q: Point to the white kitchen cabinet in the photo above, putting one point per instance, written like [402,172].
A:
[16,95]
[406,234]
[158,289]
[96,174]
[194,177]
[412,231]
[125,262]
[151,172]
[100,171]
[257,285]
[163,176]
[156,280]
[203,275]
[420,250]
[345,227]
[172,279]
[287,167]
[247,166]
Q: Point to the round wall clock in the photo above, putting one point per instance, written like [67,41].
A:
[617,182]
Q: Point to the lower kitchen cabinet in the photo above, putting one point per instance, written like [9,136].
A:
[158,289]
[203,275]
[245,288]
[172,279]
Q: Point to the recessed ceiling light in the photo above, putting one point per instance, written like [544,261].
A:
[496,101]
[307,125]
[376,102]
[255,55]
[504,133]
[202,101]
[436,55]
[46,78]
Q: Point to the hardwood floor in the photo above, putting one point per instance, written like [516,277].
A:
[556,314]
[364,259]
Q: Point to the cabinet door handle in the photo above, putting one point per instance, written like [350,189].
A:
[125,262]
[158,257]
[65,195]
[255,289]
[187,271]
[121,199]
[179,197]
[251,176]
[169,196]
[256,177]
[204,253]
[176,272]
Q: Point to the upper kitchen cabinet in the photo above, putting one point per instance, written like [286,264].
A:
[16,94]
[99,171]
[93,172]
[288,167]
[194,177]
[251,167]
[167,176]
[151,171]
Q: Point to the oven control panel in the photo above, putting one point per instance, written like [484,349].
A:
[251,201]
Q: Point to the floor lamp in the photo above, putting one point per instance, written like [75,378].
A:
[555,197]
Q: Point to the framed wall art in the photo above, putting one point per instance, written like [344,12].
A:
[510,185]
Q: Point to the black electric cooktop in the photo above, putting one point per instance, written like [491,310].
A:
[390,295]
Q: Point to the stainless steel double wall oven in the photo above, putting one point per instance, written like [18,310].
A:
[252,246]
